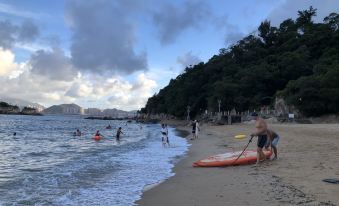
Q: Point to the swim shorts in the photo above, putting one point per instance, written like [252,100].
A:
[262,139]
[275,141]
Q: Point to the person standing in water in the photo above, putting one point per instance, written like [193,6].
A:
[164,133]
[261,133]
[167,135]
[119,132]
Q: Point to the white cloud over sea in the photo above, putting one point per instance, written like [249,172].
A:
[49,78]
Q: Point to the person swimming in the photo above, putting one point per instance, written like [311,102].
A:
[109,126]
[78,132]
[97,136]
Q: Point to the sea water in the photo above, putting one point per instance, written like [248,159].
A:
[44,164]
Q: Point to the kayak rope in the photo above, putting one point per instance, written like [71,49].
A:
[243,150]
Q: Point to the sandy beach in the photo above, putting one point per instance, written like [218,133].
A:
[308,153]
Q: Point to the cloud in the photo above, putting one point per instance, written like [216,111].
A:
[116,91]
[232,37]
[143,83]
[28,32]
[232,32]
[35,88]
[103,38]
[134,96]
[289,9]
[9,9]
[7,63]
[10,33]
[172,20]
[53,64]
[7,34]
[79,89]
[188,59]
[49,78]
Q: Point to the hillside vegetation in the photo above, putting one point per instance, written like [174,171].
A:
[298,61]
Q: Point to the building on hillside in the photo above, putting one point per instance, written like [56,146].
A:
[68,109]
[93,112]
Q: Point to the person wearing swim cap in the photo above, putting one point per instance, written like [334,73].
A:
[261,133]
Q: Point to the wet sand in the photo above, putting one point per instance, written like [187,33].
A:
[307,154]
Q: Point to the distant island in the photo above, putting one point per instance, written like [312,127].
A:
[293,65]
[6,108]
[22,103]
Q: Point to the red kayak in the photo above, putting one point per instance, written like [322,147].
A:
[97,138]
[230,159]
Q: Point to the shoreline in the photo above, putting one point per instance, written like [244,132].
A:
[180,132]
[282,182]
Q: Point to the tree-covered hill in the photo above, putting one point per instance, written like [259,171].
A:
[298,61]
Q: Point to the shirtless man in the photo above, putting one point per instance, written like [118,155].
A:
[261,132]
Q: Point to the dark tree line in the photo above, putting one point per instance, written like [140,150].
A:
[299,61]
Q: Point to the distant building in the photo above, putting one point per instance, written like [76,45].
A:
[38,108]
[115,113]
[93,112]
[112,113]
[68,109]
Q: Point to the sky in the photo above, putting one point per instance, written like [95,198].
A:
[118,53]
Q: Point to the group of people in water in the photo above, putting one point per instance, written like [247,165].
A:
[98,136]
